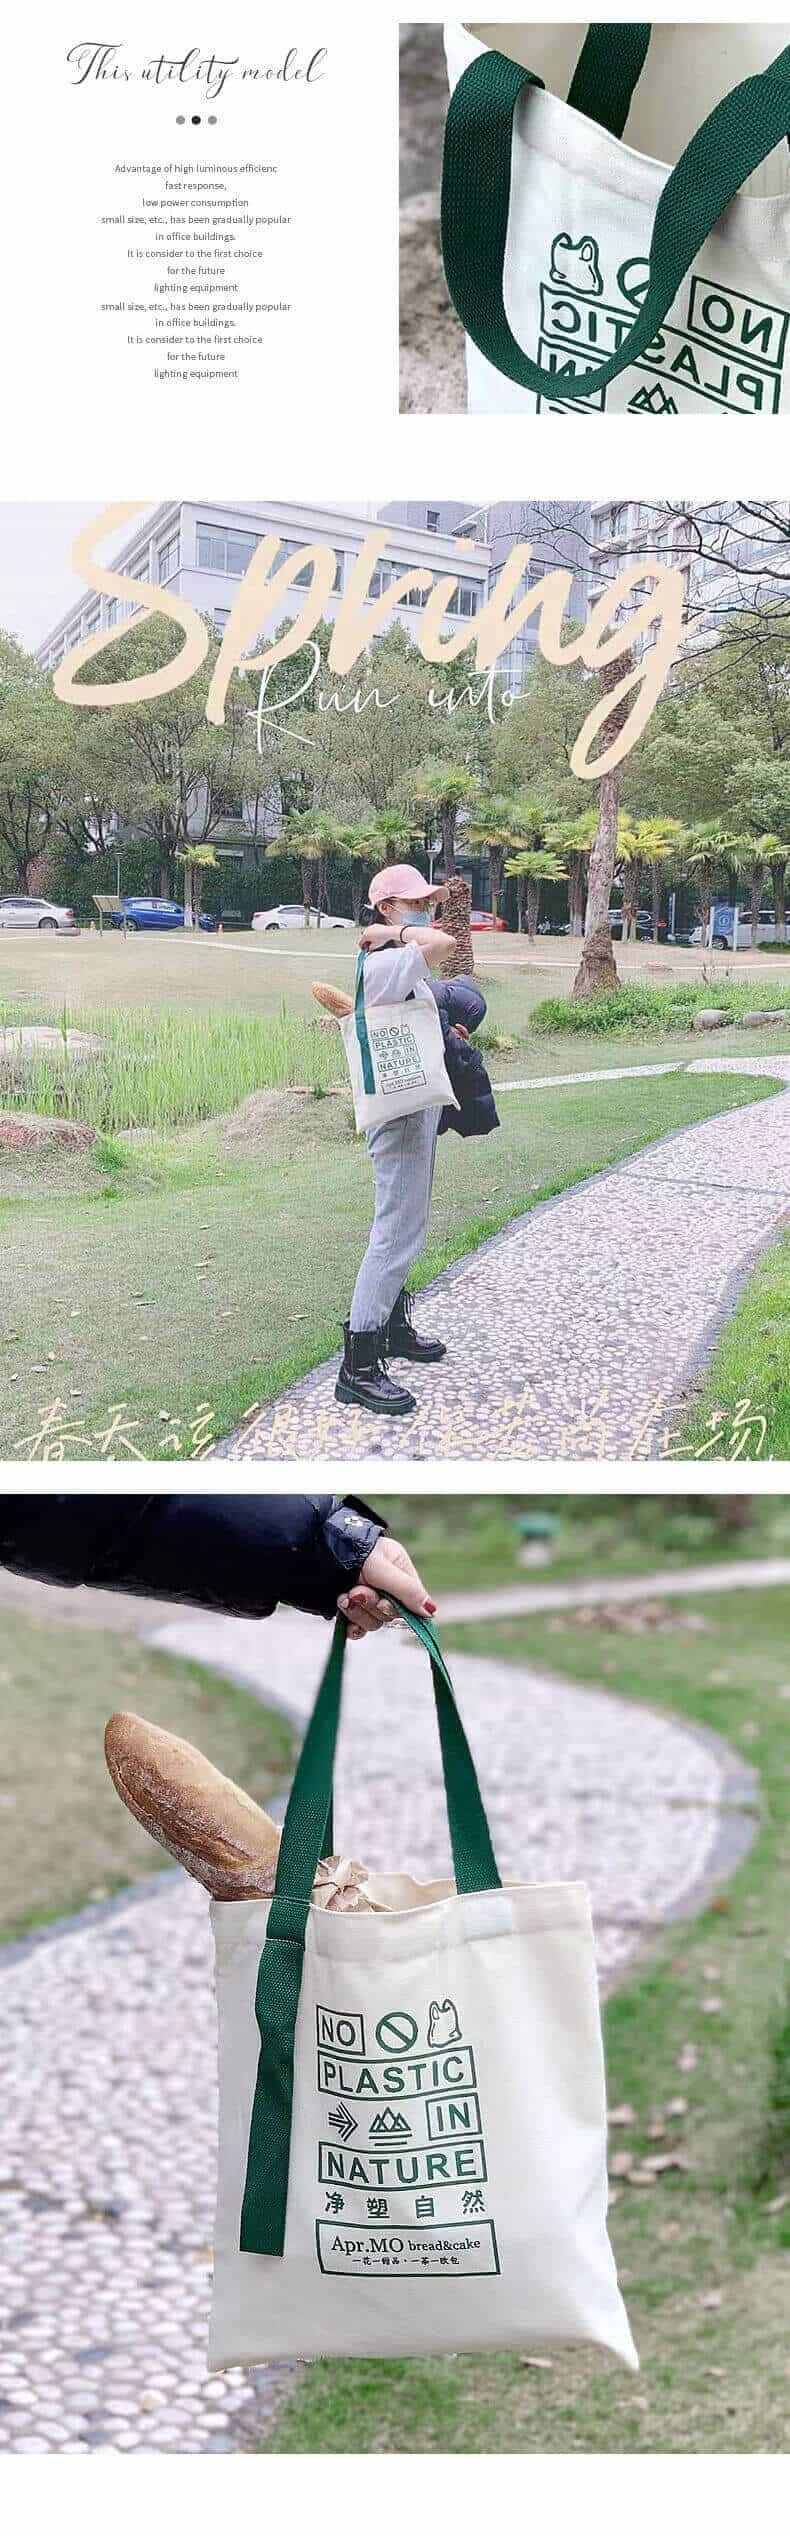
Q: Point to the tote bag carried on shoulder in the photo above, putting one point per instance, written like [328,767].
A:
[395,1057]
[412,2120]
[627,251]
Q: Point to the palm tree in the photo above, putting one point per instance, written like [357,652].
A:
[532,865]
[491,828]
[644,843]
[440,791]
[572,838]
[196,860]
[755,857]
[313,835]
[708,844]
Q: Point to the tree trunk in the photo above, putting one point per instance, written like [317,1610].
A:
[448,819]
[655,893]
[631,889]
[533,904]
[521,893]
[197,893]
[455,911]
[779,880]
[307,888]
[576,893]
[189,878]
[358,894]
[597,971]
[756,896]
[496,869]
[705,896]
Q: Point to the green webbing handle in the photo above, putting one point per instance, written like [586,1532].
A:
[734,140]
[279,1981]
[368,1076]
[611,61]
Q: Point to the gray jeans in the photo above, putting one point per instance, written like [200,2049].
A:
[403,1154]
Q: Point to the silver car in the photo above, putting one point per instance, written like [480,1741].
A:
[37,915]
[281,919]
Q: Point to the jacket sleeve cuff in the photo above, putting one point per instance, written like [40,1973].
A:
[349,1533]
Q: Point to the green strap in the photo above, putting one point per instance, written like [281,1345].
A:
[734,140]
[611,61]
[368,1076]
[279,1980]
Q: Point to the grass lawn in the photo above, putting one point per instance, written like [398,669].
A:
[751,1365]
[472,1543]
[59,1808]
[184,1275]
[702,2254]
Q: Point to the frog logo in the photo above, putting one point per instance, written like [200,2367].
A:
[443,2026]
[575,261]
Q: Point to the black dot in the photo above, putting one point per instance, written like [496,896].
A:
[196,118]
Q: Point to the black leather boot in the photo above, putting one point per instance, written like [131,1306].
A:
[363,1381]
[401,1338]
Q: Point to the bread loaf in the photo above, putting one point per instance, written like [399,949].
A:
[214,1830]
[333,998]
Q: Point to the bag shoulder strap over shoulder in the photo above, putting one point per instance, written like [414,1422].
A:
[279,1981]
[734,140]
[361,1027]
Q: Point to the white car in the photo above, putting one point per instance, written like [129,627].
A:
[37,915]
[282,919]
[722,928]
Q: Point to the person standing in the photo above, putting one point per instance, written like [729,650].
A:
[400,955]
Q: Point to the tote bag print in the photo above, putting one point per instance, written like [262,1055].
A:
[395,1057]
[592,277]
[412,2114]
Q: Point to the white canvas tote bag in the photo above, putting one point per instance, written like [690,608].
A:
[412,2121]
[395,1057]
[627,251]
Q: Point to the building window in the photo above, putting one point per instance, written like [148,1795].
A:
[225,550]
[433,522]
[169,558]
[463,601]
[112,611]
[301,580]
[220,616]
[93,621]
[139,571]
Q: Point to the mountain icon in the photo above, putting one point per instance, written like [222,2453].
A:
[652,400]
[390,2126]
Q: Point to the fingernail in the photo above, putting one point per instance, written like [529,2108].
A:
[431,1607]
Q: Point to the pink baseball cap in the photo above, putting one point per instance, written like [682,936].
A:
[401,880]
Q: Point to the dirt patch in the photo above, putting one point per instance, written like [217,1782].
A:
[259,1122]
[22,1132]
[433,369]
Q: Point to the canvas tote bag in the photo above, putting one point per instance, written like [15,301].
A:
[412,2124]
[395,1057]
[647,274]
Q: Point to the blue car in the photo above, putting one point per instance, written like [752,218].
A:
[156,915]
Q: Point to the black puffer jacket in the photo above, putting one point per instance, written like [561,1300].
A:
[239,1554]
[460,1000]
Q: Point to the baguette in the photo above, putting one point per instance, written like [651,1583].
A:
[215,1831]
[333,998]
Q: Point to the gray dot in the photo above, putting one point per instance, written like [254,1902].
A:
[211,118]
[181,118]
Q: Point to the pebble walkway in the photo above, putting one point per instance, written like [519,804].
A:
[107,2025]
[575,1334]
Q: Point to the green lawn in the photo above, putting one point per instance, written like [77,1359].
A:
[702,2254]
[473,1543]
[751,1366]
[184,1275]
[60,1683]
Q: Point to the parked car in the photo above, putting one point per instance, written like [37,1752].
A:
[39,915]
[480,920]
[723,928]
[156,915]
[644,924]
[283,919]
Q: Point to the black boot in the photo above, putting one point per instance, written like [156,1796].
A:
[401,1338]
[363,1381]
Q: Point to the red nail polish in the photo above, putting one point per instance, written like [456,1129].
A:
[431,1607]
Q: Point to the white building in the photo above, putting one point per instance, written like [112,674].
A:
[203,549]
